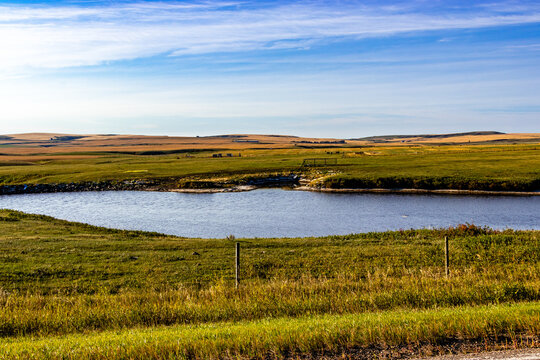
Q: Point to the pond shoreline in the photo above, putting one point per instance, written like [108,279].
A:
[421,191]
[362,191]
[275,212]
[167,186]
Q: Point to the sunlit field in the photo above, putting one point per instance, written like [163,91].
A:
[466,167]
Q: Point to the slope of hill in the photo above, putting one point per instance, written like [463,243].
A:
[48,143]
[455,138]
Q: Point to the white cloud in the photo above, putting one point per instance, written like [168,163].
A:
[57,37]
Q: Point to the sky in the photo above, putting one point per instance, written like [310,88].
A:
[340,68]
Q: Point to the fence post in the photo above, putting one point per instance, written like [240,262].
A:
[237,267]
[447,256]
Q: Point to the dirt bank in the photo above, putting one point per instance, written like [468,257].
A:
[292,182]
[421,191]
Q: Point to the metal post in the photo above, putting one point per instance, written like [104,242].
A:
[447,255]
[237,268]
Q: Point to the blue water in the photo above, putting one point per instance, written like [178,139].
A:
[278,213]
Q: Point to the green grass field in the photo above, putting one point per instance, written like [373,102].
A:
[483,167]
[73,291]
[278,338]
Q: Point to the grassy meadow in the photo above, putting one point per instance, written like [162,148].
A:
[477,167]
[74,291]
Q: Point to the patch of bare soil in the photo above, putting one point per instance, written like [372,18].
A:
[524,348]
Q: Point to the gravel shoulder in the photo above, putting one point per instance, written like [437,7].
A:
[522,354]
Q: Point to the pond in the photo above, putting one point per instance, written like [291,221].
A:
[277,212]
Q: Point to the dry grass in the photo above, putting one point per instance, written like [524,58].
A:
[40,143]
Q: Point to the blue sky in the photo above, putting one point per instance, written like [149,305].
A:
[310,68]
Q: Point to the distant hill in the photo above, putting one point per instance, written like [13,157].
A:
[428,136]
[473,137]
[16,146]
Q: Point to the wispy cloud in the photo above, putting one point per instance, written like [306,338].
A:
[68,36]
[533,47]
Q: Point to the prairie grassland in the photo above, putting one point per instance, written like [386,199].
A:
[486,167]
[71,291]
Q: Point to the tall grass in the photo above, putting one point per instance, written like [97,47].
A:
[34,314]
[285,337]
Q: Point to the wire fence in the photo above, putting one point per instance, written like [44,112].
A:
[244,261]
[199,263]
